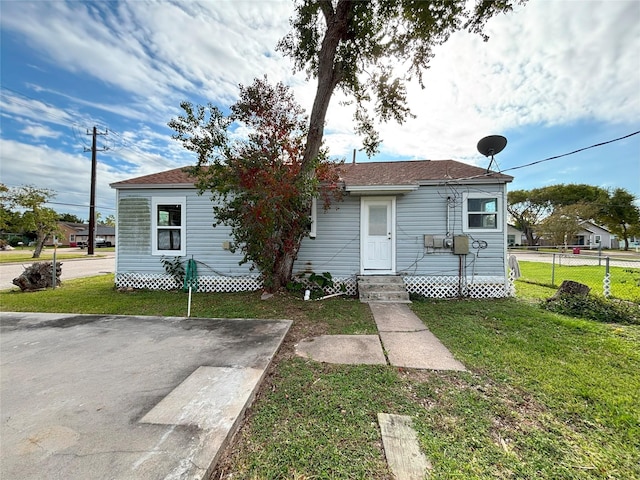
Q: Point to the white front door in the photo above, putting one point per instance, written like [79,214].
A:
[378,235]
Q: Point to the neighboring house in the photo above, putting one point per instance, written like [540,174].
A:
[515,237]
[68,233]
[104,236]
[594,236]
[441,225]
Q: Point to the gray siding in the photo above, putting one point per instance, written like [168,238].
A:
[336,248]
[203,242]
[425,212]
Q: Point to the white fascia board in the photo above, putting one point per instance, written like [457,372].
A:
[380,189]
[463,181]
[130,186]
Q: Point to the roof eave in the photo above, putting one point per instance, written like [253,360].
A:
[466,181]
[137,186]
[380,189]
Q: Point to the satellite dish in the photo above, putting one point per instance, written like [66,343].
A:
[492,145]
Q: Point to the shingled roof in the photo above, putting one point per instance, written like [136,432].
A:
[417,172]
[413,172]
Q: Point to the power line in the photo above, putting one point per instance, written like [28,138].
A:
[488,174]
[571,153]
[80,205]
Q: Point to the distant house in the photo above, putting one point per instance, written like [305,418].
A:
[104,235]
[515,237]
[439,225]
[68,234]
[595,236]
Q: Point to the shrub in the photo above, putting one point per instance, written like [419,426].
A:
[594,308]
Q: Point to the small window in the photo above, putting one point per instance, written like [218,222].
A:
[481,212]
[169,229]
[313,229]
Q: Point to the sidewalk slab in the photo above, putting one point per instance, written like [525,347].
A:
[116,397]
[347,349]
[395,317]
[418,350]
[401,447]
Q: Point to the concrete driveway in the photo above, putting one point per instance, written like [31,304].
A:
[115,397]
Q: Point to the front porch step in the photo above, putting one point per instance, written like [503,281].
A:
[382,289]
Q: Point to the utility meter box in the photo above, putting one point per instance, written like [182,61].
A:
[461,245]
[428,241]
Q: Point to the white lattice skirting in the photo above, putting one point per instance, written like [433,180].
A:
[215,283]
[453,286]
[427,286]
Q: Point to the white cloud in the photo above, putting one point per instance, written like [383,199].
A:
[26,108]
[40,131]
[68,175]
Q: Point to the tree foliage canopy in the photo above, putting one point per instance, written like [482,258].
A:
[256,183]
[369,50]
[43,221]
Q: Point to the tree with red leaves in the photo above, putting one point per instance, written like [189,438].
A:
[256,182]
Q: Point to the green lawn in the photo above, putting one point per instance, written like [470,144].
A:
[547,396]
[625,281]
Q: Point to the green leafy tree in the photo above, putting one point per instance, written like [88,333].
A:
[256,183]
[36,218]
[68,217]
[9,219]
[620,215]
[529,208]
[360,47]
[562,225]
[110,221]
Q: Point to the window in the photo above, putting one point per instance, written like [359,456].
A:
[313,229]
[168,226]
[481,212]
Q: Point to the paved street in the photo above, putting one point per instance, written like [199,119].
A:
[73,268]
[586,257]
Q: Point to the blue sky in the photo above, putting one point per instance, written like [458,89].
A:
[555,76]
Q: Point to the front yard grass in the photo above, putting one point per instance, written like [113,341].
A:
[547,396]
[625,281]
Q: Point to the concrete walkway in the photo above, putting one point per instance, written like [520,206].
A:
[407,342]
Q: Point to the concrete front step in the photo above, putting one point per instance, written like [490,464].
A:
[382,288]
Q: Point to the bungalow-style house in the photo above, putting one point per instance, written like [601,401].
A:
[67,233]
[595,236]
[438,225]
[515,236]
[105,235]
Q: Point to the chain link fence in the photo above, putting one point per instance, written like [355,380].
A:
[615,276]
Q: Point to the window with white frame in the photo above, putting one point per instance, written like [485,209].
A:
[314,218]
[168,226]
[481,212]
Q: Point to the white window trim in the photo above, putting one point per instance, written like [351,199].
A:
[313,230]
[465,212]
[182,201]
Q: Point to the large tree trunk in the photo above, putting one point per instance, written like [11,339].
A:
[39,245]
[282,271]
[329,75]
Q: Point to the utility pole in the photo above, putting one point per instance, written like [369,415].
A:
[92,200]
